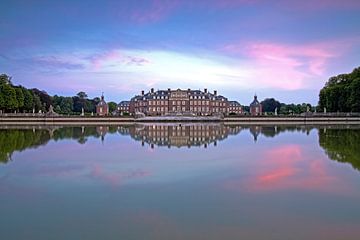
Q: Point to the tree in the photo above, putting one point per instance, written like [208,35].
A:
[341,93]
[58,109]
[66,105]
[19,97]
[2,103]
[112,106]
[354,99]
[82,95]
[28,99]
[270,104]
[45,98]
[37,103]
[81,102]
[5,79]
[9,97]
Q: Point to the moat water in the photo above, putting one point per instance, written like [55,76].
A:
[171,181]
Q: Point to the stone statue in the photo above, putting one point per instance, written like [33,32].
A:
[51,110]
[276,111]
[324,109]
[82,112]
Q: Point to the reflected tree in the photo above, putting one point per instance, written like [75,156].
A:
[12,140]
[342,145]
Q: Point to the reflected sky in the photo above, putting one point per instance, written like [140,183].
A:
[159,182]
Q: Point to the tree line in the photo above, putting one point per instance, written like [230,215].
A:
[20,99]
[341,93]
[12,140]
[270,104]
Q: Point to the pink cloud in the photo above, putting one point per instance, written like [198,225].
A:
[98,60]
[116,178]
[287,167]
[310,56]
[289,66]
[114,57]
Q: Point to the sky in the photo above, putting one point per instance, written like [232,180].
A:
[286,49]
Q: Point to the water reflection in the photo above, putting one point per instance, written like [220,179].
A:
[216,181]
[341,143]
[181,135]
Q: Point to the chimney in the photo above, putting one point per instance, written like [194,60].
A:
[169,89]
[215,92]
[142,93]
[205,90]
[152,90]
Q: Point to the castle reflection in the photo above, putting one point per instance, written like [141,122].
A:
[188,135]
[180,135]
[340,142]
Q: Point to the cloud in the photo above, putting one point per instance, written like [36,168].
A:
[54,62]
[287,167]
[113,59]
[138,61]
[154,11]
[116,178]
[157,10]
[287,66]
[321,4]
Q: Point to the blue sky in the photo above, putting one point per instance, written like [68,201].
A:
[282,49]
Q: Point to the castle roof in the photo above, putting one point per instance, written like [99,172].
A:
[165,94]
[124,103]
[255,102]
[102,102]
[234,104]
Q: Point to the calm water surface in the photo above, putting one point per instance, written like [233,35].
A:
[180,182]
